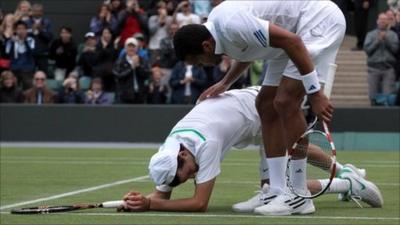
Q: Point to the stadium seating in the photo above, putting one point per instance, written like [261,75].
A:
[54,85]
[84,83]
[351,86]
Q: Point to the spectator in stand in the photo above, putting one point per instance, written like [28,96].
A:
[157,92]
[95,95]
[381,46]
[7,26]
[70,93]
[6,32]
[9,91]
[131,20]
[187,83]
[116,6]
[167,53]
[20,49]
[158,29]
[106,55]
[39,93]
[143,51]
[201,8]
[63,50]
[103,19]
[87,59]
[183,15]
[41,31]
[394,5]
[392,19]
[397,23]
[361,9]
[23,11]
[397,30]
[131,75]
[171,6]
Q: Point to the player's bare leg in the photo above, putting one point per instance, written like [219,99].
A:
[288,104]
[273,138]
[283,123]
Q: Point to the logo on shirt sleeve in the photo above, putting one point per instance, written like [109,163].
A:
[261,37]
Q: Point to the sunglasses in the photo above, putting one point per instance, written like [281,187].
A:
[42,79]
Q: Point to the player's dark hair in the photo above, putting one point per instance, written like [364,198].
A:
[188,40]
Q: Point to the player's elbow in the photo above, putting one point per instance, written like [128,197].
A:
[201,206]
[286,41]
[293,41]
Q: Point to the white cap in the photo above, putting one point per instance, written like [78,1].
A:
[90,35]
[163,165]
[131,40]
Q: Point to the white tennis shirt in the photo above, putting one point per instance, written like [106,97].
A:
[212,127]
[240,28]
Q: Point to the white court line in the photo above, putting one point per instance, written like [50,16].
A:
[101,145]
[256,183]
[74,192]
[200,215]
[110,162]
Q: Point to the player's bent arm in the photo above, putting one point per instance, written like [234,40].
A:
[235,72]
[293,46]
[197,203]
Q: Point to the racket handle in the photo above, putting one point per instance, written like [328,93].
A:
[112,204]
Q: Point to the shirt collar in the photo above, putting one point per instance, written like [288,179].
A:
[210,27]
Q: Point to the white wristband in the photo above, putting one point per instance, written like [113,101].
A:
[311,82]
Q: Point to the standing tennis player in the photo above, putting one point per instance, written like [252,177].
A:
[198,143]
[299,39]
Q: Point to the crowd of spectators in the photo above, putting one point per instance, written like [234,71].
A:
[127,56]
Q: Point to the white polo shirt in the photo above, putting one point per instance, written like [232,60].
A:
[241,28]
[212,127]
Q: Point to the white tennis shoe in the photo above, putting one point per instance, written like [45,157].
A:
[252,203]
[360,172]
[361,189]
[286,204]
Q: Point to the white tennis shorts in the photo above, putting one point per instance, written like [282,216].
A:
[322,42]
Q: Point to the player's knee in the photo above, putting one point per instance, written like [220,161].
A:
[285,105]
[264,106]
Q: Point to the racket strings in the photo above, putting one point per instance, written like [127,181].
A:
[321,165]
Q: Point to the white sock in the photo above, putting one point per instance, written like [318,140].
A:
[277,174]
[338,167]
[298,174]
[337,185]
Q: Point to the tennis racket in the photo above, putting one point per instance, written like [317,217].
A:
[66,208]
[316,138]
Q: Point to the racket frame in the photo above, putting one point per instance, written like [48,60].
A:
[326,133]
[66,208]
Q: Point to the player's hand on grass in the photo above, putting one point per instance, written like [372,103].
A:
[135,202]
[213,91]
[321,106]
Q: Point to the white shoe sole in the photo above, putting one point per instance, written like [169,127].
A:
[305,211]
